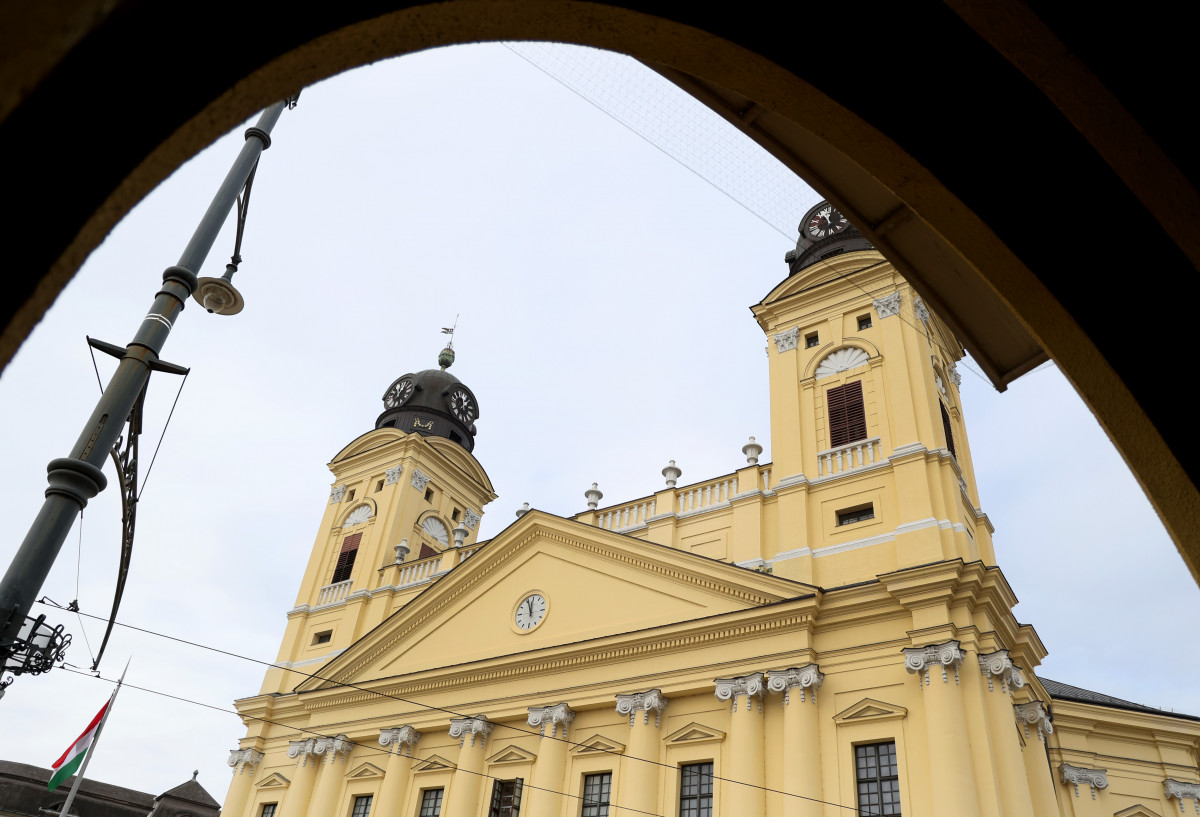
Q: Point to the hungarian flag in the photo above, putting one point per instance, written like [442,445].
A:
[69,763]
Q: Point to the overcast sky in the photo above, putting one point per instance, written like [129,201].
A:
[602,291]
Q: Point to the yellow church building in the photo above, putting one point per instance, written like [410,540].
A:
[825,634]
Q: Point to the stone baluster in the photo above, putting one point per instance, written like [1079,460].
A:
[472,734]
[551,764]
[952,773]
[801,737]
[1041,779]
[295,800]
[1003,678]
[746,761]
[329,751]
[243,762]
[400,742]
[638,789]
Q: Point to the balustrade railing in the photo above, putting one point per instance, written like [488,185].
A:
[465,552]
[706,494]
[765,475]
[332,593]
[626,516]
[849,457]
[417,572]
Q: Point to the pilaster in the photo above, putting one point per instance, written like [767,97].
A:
[638,790]
[244,762]
[329,779]
[400,741]
[746,761]
[1003,677]
[551,764]
[801,738]
[1033,718]
[472,734]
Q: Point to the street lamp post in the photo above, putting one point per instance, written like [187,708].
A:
[28,645]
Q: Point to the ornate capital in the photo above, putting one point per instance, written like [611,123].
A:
[998,664]
[539,716]
[420,479]
[647,702]
[920,310]
[1095,778]
[1034,714]
[806,677]
[403,738]
[240,758]
[919,660]
[954,375]
[786,341]
[1183,791]
[392,475]
[336,494]
[888,306]
[303,751]
[332,747]
[470,518]
[751,686]
[477,727]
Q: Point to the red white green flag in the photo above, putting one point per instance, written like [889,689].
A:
[71,759]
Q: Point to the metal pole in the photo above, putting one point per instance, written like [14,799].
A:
[77,478]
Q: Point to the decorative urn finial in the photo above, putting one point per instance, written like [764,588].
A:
[521,511]
[672,474]
[752,450]
[460,535]
[446,358]
[402,550]
[593,497]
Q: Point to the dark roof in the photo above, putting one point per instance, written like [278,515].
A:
[193,792]
[1066,692]
[23,792]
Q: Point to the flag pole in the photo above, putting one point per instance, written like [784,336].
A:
[66,808]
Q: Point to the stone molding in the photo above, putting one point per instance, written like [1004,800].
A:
[539,716]
[787,341]
[1095,778]
[647,702]
[476,727]
[313,749]
[919,660]
[392,475]
[240,758]
[887,306]
[954,374]
[336,494]
[471,518]
[403,738]
[999,664]
[420,479]
[807,677]
[1182,791]
[1034,713]
[920,310]
[750,686]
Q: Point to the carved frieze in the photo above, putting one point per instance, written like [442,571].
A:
[919,660]
[1183,791]
[786,341]
[999,665]
[807,677]
[1034,714]
[336,494]
[888,306]
[751,687]
[477,727]
[402,738]
[646,702]
[240,758]
[420,479]
[392,475]
[560,713]
[1094,778]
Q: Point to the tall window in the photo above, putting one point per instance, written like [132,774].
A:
[268,810]
[362,806]
[696,790]
[431,803]
[595,794]
[345,562]
[506,798]
[847,416]
[878,780]
[949,431]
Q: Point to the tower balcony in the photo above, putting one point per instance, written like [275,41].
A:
[333,593]
[849,457]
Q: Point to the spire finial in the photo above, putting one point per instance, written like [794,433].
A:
[446,356]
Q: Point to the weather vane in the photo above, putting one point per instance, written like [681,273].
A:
[449,330]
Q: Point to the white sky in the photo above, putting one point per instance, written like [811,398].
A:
[603,293]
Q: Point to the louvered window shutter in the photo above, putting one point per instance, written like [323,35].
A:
[517,789]
[497,790]
[345,562]
[847,414]
[948,429]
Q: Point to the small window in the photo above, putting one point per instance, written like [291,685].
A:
[878,780]
[596,788]
[431,803]
[948,429]
[268,810]
[696,790]
[456,514]
[864,322]
[455,437]
[323,637]
[506,798]
[362,806]
[379,486]
[811,340]
[852,515]
[350,496]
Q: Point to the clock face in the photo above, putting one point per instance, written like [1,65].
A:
[826,222]
[531,611]
[462,405]
[400,391]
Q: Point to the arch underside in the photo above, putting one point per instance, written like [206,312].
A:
[997,157]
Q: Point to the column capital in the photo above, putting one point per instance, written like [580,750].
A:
[751,686]
[303,751]
[999,664]
[240,758]
[1034,714]
[332,747]
[1182,791]
[1095,778]
[403,738]
[650,701]
[919,660]
[539,716]
[803,678]
[476,727]
[888,305]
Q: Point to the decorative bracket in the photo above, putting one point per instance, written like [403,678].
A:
[1095,778]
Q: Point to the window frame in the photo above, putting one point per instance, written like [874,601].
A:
[846,414]
[344,567]
[359,798]
[701,809]
[599,808]
[421,804]
[879,779]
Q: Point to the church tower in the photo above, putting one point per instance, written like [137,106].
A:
[403,510]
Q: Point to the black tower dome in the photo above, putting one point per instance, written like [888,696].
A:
[824,233]
[433,403]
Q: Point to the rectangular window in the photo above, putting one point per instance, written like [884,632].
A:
[268,810]
[431,803]
[878,780]
[456,514]
[864,322]
[429,495]
[506,798]
[852,515]
[350,496]
[379,486]
[811,340]
[321,638]
[362,806]
[345,562]
[696,790]
[847,415]
[949,431]
[595,794]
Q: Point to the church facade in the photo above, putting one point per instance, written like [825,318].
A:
[824,634]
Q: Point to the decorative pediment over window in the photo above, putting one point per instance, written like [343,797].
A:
[512,754]
[597,744]
[365,771]
[1136,811]
[433,763]
[695,733]
[869,709]
[273,781]
[842,360]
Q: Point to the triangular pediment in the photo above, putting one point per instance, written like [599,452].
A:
[433,763]
[365,771]
[869,709]
[595,584]
[1136,811]
[598,744]
[512,754]
[694,733]
[273,781]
